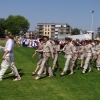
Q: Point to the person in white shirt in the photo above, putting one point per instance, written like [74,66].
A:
[30,43]
[35,43]
[26,42]
[8,59]
[19,42]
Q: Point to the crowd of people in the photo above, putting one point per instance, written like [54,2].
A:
[27,42]
[86,50]
[33,42]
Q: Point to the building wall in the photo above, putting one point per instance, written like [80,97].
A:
[47,30]
[53,29]
[74,37]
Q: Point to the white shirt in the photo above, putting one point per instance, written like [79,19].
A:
[26,41]
[9,47]
[35,43]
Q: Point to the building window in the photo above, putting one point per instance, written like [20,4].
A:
[45,29]
[48,32]
[48,29]
[45,32]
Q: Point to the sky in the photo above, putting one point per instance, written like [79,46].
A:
[74,12]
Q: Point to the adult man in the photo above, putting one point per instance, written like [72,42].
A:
[74,57]
[47,49]
[97,49]
[88,55]
[69,50]
[56,48]
[40,56]
[82,53]
[35,42]
[8,59]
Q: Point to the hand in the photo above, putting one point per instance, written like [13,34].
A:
[0,47]
[34,54]
[57,50]
[3,58]
[52,57]
[36,51]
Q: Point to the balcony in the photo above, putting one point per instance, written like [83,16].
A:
[52,30]
[40,27]
[52,26]
[40,33]
[56,32]
[38,30]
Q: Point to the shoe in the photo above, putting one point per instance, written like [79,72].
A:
[11,73]
[62,74]
[81,67]
[89,70]
[50,76]
[98,69]
[71,73]
[44,73]
[37,78]
[83,72]
[53,69]
[33,73]
[17,79]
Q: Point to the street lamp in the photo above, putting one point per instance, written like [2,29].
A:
[92,19]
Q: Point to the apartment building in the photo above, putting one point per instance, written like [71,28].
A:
[53,29]
[29,34]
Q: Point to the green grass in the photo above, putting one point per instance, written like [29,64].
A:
[75,87]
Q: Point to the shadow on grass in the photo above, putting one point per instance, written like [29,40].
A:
[67,74]
[12,76]
[47,76]
[10,71]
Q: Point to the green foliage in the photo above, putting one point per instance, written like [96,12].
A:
[2,27]
[75,31]
[18,23]
[68,87]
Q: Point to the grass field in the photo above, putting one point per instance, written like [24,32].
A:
[75,87]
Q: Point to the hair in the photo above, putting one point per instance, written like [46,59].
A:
[56,41]
[68,38]
[46,37]
[40,39]
[11,37]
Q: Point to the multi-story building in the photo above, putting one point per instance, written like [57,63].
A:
[53,29]
[98,32]
[29,34]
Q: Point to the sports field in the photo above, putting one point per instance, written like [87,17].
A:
[68,87]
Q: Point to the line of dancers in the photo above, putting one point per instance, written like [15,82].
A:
[73,50]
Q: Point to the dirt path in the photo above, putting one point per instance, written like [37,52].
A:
[2,41]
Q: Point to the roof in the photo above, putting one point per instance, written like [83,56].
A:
[52,24]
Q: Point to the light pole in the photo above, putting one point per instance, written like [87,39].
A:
[92,19]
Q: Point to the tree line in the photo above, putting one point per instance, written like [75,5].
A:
[14,25]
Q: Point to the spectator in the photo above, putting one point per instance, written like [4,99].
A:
[62,43]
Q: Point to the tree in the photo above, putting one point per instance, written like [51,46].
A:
[18,23]
[75,31]
[2,27]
